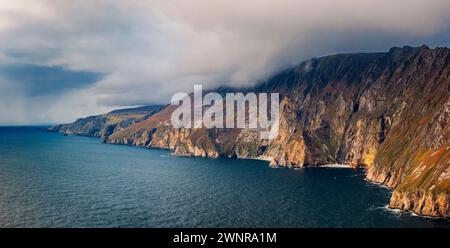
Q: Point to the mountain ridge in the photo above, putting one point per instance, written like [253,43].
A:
[387,112]
[100,126]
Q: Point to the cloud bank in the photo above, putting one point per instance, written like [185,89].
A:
[147,50]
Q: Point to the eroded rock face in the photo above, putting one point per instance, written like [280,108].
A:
[421,202]
[101,126]
[388,112]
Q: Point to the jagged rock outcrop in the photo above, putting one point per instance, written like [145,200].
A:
[387,112]
[101,126]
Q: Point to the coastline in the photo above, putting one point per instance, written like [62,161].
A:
[271,161]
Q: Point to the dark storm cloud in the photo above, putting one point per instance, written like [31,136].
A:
[35,80]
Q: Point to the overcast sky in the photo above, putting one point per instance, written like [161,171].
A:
[60,60]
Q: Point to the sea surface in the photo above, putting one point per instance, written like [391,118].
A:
[51,180]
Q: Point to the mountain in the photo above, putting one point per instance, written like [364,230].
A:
[387,112]
[101,126]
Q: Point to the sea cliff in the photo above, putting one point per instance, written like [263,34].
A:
[387,112]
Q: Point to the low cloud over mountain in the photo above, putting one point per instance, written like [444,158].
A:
[64,59]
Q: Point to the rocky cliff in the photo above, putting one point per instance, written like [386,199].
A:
[100,126]
[387,112]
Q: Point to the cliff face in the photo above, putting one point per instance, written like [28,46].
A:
[100,126]
[387,112]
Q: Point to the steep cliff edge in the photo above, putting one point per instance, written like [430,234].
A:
[387,112]
[100,126]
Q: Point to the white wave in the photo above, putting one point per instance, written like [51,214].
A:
[400,212]
[336,166]
[377,184]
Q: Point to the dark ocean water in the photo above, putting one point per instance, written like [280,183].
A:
[51,180]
